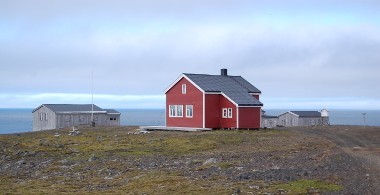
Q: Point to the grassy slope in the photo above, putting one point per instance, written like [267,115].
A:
[108,160]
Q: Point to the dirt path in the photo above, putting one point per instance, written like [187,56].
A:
[362,143]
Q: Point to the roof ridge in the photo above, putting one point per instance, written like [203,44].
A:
[239,82]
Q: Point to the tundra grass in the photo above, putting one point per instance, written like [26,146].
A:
[79,164]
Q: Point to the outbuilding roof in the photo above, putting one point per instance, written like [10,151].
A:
[111,111]
[76,108]
[268,116]
[307,113]
[236,88]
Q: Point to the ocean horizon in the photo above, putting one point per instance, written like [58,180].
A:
[17,120]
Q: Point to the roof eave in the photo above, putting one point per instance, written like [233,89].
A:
[178,79]
[250,105]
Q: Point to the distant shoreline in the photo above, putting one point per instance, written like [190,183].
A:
[17,120]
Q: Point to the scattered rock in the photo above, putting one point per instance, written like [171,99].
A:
[254,187]
[210,171]
[74,132]
[281,191]
[312,191]
[20,162]
[93,158]
[236,191]
[210,161]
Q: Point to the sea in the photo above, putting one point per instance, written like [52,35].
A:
[17,120]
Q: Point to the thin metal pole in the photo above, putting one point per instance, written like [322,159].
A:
[364,118]
[92,97]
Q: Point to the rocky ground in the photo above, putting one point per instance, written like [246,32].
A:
[325,160]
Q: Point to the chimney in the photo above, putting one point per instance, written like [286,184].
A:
[223,72]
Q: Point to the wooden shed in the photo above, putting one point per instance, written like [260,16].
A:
[55,116]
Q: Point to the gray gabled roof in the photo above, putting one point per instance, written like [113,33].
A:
[112,111]
[307,113]
[71,108]
[234,87]
[268,116]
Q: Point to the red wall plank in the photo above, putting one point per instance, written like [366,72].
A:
[213,111]
[227,122]
[193,97]
[249,117]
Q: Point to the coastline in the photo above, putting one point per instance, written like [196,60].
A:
[20,119]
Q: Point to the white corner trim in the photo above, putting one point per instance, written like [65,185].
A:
[250,106]
[175,82]
[237,117]
[294,114]
[229,99]
[178,79]
[289,113]
[204,110]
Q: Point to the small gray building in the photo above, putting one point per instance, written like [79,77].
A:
[55,116]
[268,121]
[303,118]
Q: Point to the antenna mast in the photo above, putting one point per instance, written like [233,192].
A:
[92,99]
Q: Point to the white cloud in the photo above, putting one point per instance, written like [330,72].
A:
[102,100]
[289,48]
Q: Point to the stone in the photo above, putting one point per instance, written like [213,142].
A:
[93,158]
[210,161]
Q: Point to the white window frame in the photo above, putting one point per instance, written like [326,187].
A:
[229,113]
[175,110]
[179,111]
[183,88]
[41,116]
[46,116]
[172,109]
[224,113]
[189,111]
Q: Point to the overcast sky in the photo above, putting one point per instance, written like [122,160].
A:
[300,54]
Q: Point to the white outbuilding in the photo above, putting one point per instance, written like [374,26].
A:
[55,116]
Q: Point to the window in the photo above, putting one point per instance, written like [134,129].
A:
[224,112]
[41,116]
[46,116]
[172,109]
[183,88]
[179,110]
[112,119]
[227,112]
[175,110]
[189,111]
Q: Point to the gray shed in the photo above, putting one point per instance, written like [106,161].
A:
[55,116]
[301,118]
[268,121]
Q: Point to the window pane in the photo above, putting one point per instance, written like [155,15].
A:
[229,112]
[189,110]
[171,110]
[183,88]
[179,110]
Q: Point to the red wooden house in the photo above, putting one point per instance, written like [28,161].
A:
[213,101]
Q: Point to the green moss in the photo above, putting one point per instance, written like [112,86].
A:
[303,186]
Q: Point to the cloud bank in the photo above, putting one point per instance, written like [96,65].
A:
[303,50]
